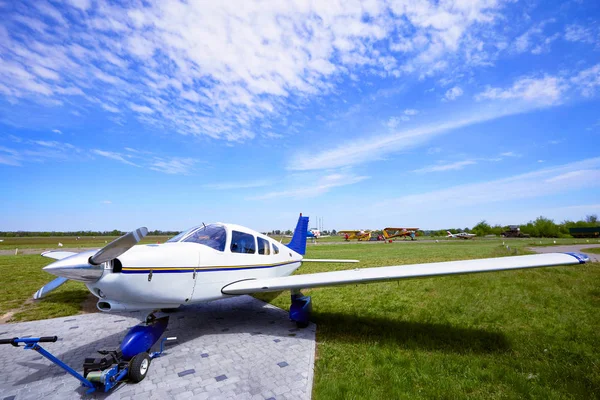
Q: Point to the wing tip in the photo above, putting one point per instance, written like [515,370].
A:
[582,258]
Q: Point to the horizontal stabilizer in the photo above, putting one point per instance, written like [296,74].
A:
[397,272]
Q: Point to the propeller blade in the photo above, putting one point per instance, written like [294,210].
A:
[49,287]
[118,246]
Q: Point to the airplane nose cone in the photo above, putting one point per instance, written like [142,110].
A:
[76,268]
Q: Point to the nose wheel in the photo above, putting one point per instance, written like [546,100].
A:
[138,367]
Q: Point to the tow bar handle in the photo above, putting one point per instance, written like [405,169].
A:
[15,341]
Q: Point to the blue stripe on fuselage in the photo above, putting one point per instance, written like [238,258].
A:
[175,270]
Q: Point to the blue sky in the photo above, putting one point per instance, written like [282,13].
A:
[367,114]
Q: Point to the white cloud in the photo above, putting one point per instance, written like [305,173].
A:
[453,93]
[57,131]
[394,122]
[578,33]
[545,91]
[272,135]
[217,68]
[106,202]
[445,167]
[83,5]
[174,166]
[114,156]
[545,182]
[535,39]
[411,111]
[141,109]
[110,108]
[236,185]
[314,188]
[373,148]
[588,80]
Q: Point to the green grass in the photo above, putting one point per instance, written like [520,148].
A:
[517,334]
[69,242]
[595,250]
[504,335]
[21,276]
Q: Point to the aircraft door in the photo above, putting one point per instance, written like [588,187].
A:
[194,277]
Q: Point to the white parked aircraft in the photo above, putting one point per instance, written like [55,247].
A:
[219,260]
[461,235]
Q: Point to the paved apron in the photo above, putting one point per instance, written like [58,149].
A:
[575,248]
[237,348]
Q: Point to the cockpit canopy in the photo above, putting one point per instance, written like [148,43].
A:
[212,235]
[215,237]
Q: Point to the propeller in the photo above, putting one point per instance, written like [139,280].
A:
[86,266]
[47,288]
[118,246]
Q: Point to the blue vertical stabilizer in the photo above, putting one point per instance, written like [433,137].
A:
[298,242]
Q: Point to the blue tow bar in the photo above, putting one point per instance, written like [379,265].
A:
[105,373]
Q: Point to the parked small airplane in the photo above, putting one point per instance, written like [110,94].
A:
[215,261]
[390,233]
[359,234]
[461,235]
[315,233]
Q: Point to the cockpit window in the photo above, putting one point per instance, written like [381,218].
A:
[180,236]
[263,247]
[213,236]
[275,249]
[242,243]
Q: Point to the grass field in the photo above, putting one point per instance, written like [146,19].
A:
[504,335]
[22,276]
[69,242]
[595,250]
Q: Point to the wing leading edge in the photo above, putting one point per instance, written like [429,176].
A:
[397,272]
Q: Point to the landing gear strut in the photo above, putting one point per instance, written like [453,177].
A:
[300,309]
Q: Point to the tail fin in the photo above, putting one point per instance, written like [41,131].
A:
[449,234]
[385,234]
[298,242]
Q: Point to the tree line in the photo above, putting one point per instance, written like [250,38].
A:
[114,232]
[540,227]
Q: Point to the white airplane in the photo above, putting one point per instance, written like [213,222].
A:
[461,235]
[215,261]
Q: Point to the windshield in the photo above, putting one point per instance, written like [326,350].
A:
[213,236]
[181,235]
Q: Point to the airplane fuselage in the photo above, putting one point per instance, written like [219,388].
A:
[171,274]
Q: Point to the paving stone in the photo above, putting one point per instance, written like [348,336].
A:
[246,355]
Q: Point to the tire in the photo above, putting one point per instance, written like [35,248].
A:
[138,367]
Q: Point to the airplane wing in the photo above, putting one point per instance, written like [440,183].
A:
[397,272]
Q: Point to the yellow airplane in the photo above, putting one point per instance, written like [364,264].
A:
[390,233]
[360,235]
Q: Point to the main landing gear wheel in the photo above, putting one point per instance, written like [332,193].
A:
[138,367]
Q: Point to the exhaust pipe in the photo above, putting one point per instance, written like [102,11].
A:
[115,306]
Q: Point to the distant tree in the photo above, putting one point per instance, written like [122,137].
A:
[482,228]
[333,232]
[546,227]
[591,219]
